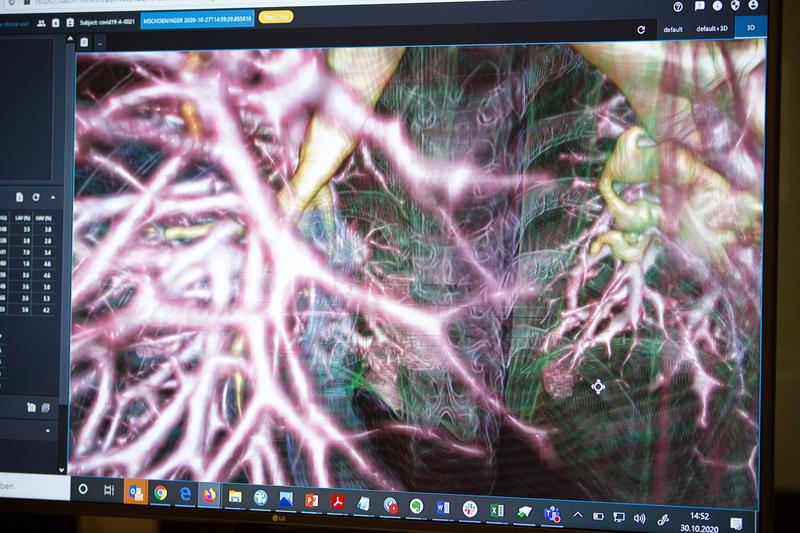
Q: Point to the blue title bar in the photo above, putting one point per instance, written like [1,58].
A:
[180,20]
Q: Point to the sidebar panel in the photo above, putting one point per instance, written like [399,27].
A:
[32,428]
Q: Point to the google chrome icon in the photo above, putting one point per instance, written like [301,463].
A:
[160,493]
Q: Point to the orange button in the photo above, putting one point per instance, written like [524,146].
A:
[276,16]
[135,491]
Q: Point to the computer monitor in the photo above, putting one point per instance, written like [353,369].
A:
[422,266]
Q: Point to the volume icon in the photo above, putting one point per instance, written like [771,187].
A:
[640,518]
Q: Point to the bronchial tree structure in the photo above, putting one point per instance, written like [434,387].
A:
[407,268]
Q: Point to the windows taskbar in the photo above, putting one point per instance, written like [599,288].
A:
[458,508]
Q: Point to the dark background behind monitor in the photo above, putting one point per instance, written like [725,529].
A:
[787,417]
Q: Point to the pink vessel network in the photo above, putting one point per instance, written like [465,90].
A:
[198,268]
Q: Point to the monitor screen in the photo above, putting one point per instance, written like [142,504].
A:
[422,265]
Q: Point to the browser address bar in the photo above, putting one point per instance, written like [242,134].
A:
[78,6]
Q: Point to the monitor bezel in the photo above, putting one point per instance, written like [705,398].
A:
[768,359]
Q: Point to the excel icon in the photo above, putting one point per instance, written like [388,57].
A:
[497,510]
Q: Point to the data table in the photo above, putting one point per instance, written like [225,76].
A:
[30,248]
